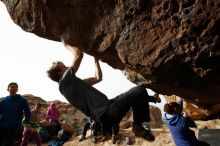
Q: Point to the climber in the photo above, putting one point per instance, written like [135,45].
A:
[94,104]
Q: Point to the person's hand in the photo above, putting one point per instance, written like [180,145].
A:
[157,98]
[184,114]
[96,60]
[75,50]
[72,49]
[26,127]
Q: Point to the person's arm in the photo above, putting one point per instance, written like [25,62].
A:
[0,108]
[57,114]
[98,74]
[27,112]
[180,102]
[48,115]
[78,55]
[190,122]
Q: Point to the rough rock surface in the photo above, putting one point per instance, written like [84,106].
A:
[202,112]
[172,46]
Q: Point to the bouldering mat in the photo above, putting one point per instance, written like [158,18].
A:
[211,136]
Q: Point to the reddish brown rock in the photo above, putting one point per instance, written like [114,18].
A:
[171,46]
[155,119]
[197,112]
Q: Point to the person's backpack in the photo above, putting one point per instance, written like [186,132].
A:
[55,128]
[44,134]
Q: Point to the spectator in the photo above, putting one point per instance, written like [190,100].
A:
[12,108]
[53,116]
[32,133]
[53,113]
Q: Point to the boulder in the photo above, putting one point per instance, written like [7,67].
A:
[169,46]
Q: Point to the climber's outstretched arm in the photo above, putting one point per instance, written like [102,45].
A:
[78,55]
[98,74]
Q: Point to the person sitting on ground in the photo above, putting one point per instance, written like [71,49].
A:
[32,133]
[12,108]
[179,125]
[95,128]
[94,104]
[53,115]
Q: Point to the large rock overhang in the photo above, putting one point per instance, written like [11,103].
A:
[169,46]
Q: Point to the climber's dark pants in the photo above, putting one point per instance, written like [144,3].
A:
[136,98]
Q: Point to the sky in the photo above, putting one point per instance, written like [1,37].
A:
[25,58]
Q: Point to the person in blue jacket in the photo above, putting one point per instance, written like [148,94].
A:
[179,125]
[12,108]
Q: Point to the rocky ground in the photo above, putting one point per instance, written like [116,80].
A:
[163,137]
